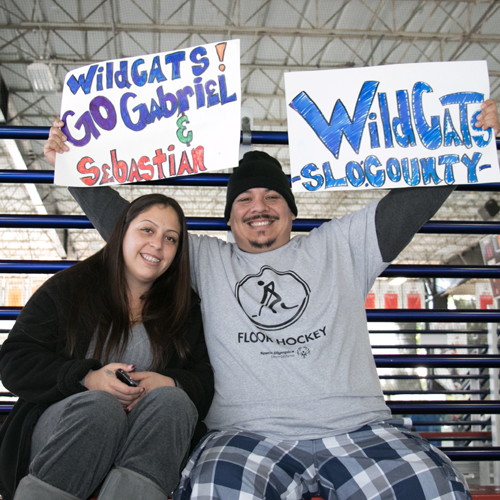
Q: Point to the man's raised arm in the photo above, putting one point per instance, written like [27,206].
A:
[102,205]
[402,212]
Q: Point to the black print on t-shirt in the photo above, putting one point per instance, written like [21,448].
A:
[273,299]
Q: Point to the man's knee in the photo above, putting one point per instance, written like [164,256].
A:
[232,461]
[223,478]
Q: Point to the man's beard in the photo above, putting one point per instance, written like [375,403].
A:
[266,244]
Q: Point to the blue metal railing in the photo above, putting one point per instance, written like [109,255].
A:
[210,180]
[407,271]
[481,361]
[42,133]
[219,224]
[383,315]
[434,315]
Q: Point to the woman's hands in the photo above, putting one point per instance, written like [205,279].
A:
[149,381]
[105,380]
[56,143]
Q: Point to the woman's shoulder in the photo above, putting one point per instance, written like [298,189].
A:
[64,282]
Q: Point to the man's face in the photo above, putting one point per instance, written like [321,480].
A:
[260,220]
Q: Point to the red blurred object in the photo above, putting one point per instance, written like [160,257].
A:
[485,492]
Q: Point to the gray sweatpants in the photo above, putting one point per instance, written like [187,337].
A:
[76,441]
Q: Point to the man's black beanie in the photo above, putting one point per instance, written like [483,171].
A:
[258,170]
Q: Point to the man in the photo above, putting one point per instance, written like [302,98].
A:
[298,409]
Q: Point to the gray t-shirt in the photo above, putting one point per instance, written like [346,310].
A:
[286,331]
[137,352]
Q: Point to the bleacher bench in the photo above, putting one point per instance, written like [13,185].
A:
[478,493]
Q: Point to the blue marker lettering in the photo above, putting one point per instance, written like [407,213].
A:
[394,169]
[200,95]
[462,99]
[109,75]
[121,77]
[429,170]
[307,172]
[355,174]
[212,96]
[448,161]
[156,111]
[406,137]
[471,165]
[330,133]
[374,135]
[84,81]
[450,134]
[138,79]
[168,102]
[414,179]
[202,63]
[182,98]
[331,182]
[175,59]
[99,78]
[377,179]
[127,120]
[156,73]
[224,99]
[430,136]
[386,120]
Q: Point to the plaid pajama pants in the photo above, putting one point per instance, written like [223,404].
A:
[379,461]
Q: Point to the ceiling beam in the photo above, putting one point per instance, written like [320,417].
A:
[245,95]
[234,31]
[280,67]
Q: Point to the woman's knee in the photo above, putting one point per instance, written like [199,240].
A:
[169,402]
[86,428]
[99,409]
[170,396]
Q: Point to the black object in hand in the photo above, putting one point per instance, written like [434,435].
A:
[124,377]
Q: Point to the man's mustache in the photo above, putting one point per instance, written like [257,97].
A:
[261,216]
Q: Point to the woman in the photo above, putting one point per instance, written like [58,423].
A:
[76,426]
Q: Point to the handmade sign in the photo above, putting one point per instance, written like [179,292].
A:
[152,117]
[389,127]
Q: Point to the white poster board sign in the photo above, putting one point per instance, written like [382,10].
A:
[152,117]
[389,127]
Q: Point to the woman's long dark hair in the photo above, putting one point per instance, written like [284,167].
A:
[102,304]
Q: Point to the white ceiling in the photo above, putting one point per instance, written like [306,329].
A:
[276,36]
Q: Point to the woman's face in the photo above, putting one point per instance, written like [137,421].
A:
[150,245]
